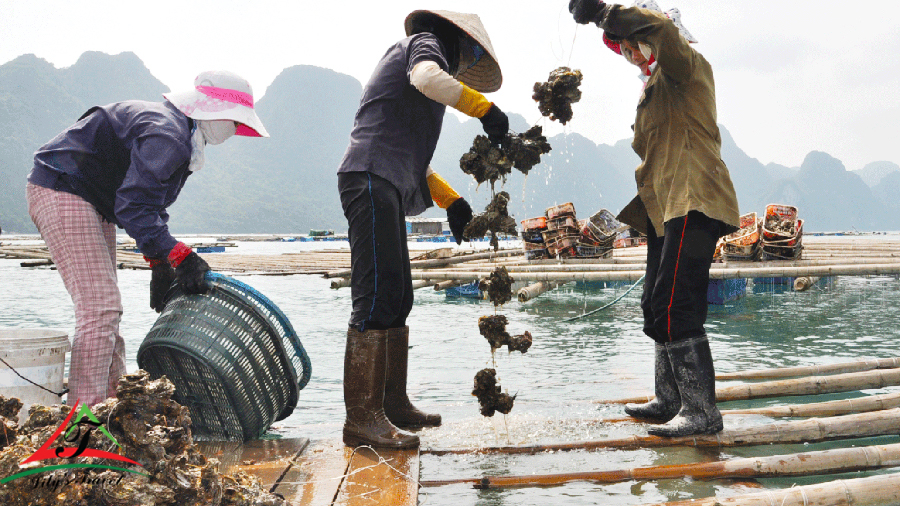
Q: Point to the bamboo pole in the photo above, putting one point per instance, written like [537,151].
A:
[438,262]
[606,265]
[723,273]
[883,490]
[534,290]
[824,369]
[340,283]
[803,283]
[812,385]
[813,430]
[443,285]
[422,283]
[843,460]
[827,408]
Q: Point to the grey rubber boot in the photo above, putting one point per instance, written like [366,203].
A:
[364,376]
[397,406]
[668,401]
[692,366]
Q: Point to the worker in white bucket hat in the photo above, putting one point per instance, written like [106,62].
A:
[685,203]
[447,59]
[123,164]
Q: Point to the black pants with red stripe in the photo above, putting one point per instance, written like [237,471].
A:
[677,278]
[380,278]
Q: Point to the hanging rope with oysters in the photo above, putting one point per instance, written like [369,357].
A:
[490,396]
[488,162]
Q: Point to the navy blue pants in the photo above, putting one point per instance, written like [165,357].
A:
[677,278]
[380,278]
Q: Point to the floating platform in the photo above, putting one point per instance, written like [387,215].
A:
[823,256]
[323,473]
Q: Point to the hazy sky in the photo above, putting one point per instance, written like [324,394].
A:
[791,76]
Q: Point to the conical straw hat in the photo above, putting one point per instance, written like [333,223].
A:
[485,75]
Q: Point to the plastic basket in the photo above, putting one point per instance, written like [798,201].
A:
[781,213]
[748,234]
[532,236]
[539,223]
[588,251]
[602,225]
[561,210]
[563,223]
[233,356]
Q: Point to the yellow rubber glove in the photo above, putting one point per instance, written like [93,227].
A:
[472,103]
[441,192]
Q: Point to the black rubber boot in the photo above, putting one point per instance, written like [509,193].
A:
[397,406]
[668,401]
[692,366]
[364,376]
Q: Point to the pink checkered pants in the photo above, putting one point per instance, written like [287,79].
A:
[83,247]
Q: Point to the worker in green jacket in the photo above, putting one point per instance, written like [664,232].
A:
[685,203]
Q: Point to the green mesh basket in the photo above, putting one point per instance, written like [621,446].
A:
[233,356]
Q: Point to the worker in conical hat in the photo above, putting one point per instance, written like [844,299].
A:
[446,59]
[122,165]
[685,202]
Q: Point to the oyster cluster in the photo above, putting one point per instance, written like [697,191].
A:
[489,395]
[498,285]
[9,421]
[778,224]
[525,149]
[556,96]
[488,162]
[493,328]
[149,428]
[485,161]
[495,219]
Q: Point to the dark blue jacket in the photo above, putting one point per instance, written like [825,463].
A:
[129,160]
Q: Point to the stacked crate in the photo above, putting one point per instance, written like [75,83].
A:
[782,233]
[744,244]
[533,238]
[597,234]
[563,234]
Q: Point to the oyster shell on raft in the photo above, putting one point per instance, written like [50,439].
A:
[149,428]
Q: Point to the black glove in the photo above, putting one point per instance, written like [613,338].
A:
[459,214]
[496,126]
[191,273]
[161,277]
[586,11]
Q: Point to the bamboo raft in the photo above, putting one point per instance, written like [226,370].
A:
[846,420]
[822,257]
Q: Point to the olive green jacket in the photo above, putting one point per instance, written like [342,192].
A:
[675,131]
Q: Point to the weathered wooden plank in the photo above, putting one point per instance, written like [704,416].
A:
[381,477]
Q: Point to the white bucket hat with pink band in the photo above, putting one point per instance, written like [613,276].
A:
[218,95]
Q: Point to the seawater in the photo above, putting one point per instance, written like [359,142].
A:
[557,383]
